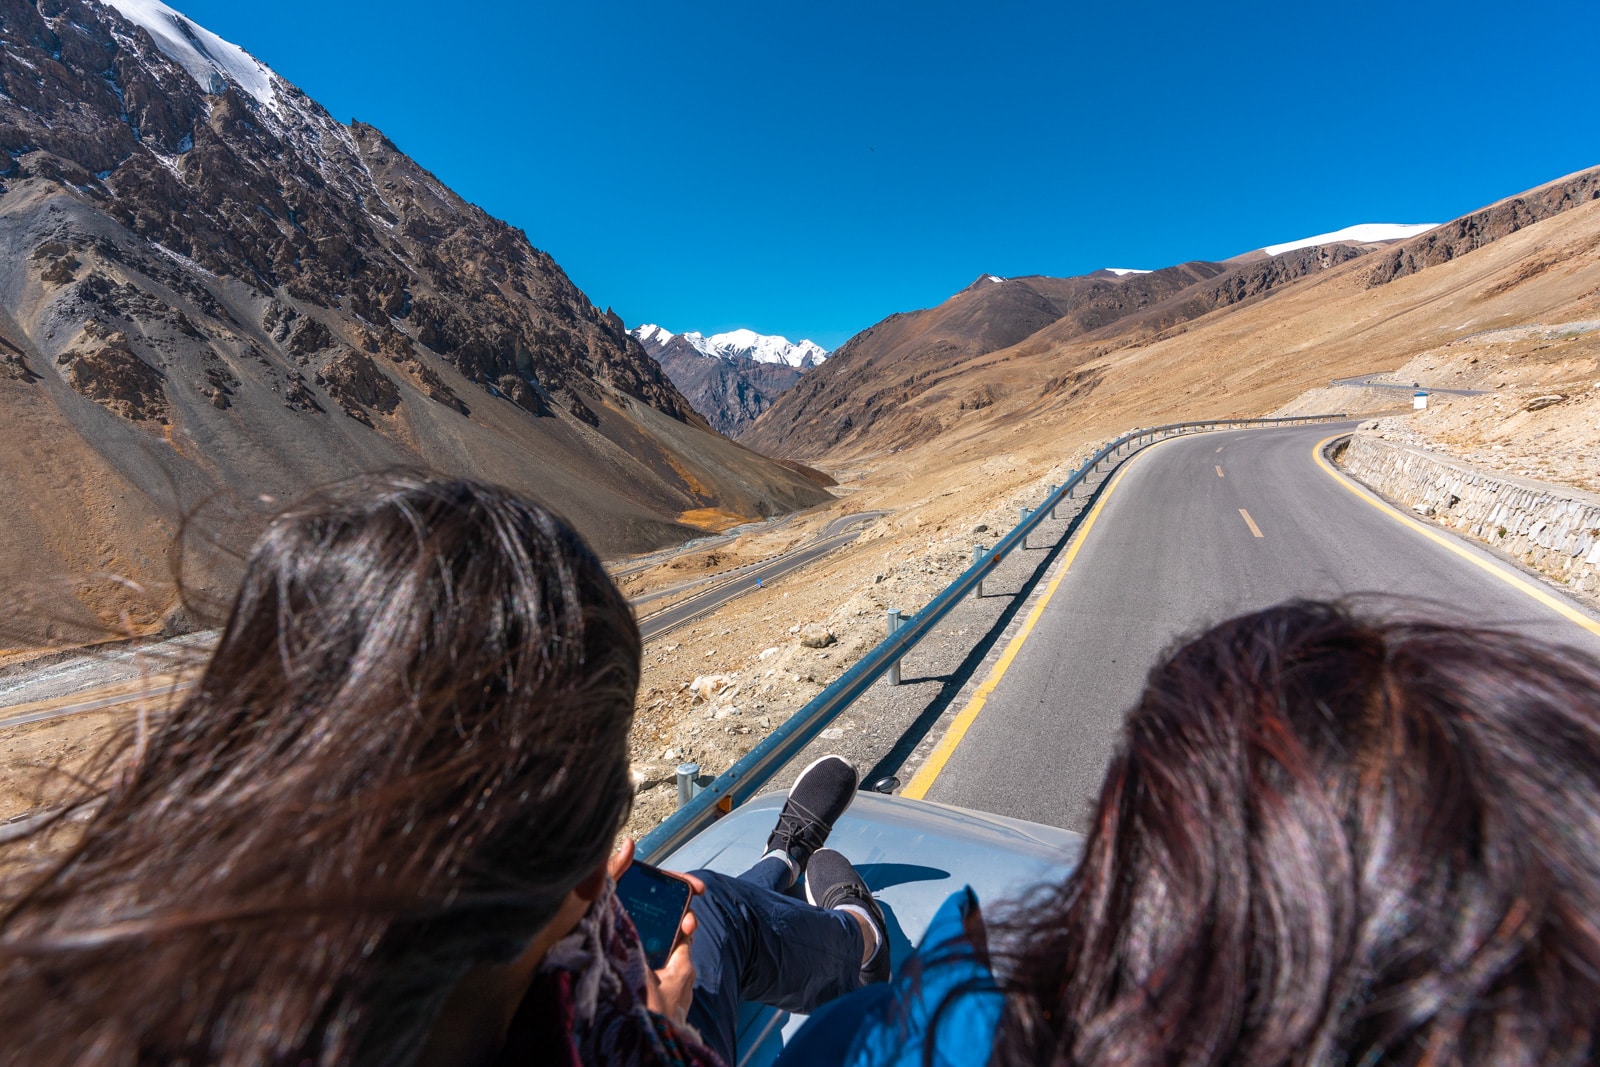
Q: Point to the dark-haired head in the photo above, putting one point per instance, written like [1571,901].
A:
[1328,840]
[409,745]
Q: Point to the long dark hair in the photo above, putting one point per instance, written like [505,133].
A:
[408,746]
[1332,841]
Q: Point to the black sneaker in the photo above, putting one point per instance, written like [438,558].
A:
[816,800]
[832,882]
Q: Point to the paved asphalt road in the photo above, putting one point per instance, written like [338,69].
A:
[1366,382]
[1174,549]
[840,531]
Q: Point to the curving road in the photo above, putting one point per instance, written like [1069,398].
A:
[839,532]
[1193,531]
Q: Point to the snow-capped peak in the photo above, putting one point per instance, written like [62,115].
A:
[1358,234]
[209,59]
[1124,271]
[650,333]
[738,344]
[995,279]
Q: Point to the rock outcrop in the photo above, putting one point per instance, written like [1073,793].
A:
[1470,232]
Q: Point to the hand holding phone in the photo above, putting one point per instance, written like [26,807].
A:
[657,901]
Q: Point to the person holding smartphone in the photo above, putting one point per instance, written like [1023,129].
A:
[701,943]
[751,940]
[377,829]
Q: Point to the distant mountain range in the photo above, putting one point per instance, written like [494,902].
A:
[1016,348]
[730,378]
[211,292]
[737,345]
[733,378]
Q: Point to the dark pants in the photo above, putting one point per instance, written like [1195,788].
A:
[755,943]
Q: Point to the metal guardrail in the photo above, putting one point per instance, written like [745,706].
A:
[751,773]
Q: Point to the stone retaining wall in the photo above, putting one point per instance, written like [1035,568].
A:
[1553,529]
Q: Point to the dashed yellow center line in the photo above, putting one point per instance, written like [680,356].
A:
[924,778]
[1248,521]
[1219,470]
[1219,448]
[1565,610]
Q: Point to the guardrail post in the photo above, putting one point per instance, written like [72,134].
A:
[895,622]
[978,554]
[1053,490]
[1024,518]
[688,782]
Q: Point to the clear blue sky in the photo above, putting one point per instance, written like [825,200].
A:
[809,168]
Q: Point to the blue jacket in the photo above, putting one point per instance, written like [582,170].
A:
[947,984]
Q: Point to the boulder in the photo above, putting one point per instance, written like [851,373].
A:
[706,686]
[815,635]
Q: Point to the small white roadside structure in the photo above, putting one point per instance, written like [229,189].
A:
[1419,400]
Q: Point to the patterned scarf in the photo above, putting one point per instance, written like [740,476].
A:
[589,999]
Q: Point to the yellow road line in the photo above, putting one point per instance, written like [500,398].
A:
[1219,470]
[1522,585]
[1219,448]
[926,774]
[1248,521]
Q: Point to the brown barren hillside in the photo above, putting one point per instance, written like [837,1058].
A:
[1239,338]
[1251,358]
[214,297]
[908,353]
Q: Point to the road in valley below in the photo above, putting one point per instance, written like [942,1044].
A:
[1195,530]
[836,534]
[123,677]
[1371,381]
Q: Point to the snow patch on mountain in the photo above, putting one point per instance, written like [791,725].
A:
[1358,234]
[739,344]
[209,59]
[1125,271]
[652,334]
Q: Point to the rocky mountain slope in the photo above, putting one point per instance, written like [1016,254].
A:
[730,378]
[1004,348]
[212,292]
[907,354]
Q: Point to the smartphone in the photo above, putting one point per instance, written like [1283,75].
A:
[656,901]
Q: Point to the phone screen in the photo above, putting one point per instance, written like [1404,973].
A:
[656,902]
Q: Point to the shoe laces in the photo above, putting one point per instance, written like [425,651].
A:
[798,826]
